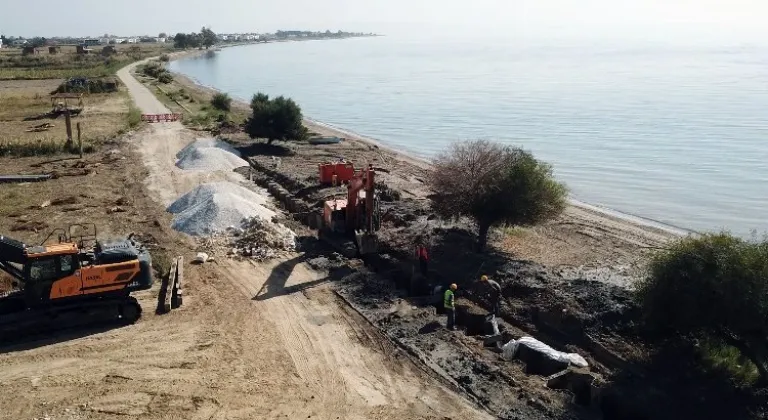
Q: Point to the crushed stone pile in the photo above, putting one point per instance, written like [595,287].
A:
[214,207]
[209,155]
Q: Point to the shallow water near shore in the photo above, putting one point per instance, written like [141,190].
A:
[673,134]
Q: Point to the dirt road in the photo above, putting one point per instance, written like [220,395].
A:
[251,341]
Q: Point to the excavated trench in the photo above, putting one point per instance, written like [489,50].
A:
[582,387]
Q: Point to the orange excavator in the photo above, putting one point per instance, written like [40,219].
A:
[358,216]
[68,283]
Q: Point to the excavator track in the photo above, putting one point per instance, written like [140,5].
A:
[67,317]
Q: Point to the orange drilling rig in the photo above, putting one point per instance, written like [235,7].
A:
[358,216]
[67,283]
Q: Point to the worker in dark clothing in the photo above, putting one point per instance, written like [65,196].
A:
[494,294]
[423,256]
[449,303]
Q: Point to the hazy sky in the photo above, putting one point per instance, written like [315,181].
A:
[742,19]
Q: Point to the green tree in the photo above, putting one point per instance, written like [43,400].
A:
[275,119]
[221,101]
[494,184]
[714,286]
[38,42]
[208,37]
[194,40]
[180,41]
[162,35]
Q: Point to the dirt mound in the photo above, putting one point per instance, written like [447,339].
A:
[592,303]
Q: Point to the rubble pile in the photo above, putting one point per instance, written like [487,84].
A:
[261,239]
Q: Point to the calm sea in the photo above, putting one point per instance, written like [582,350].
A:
[673,134]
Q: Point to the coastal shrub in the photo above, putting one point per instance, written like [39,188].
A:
[83,85]
[275,119]
[221,101]
[712,288]
[494,184]
[165,58]
[165,77]
[153,69]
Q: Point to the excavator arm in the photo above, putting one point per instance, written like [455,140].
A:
[13,257]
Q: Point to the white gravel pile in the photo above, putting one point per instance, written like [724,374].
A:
[209,155]
[214,207]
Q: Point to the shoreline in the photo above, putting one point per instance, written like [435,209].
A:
[636,224]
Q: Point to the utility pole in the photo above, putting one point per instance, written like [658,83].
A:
[79,141]
[68,121]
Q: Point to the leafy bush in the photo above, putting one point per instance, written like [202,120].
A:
[221,101]
[165,77]
[82,85]
[494,184]
[134,117]
[275,119]
[165,58]
[715,288]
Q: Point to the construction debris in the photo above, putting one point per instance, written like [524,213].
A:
[260,239]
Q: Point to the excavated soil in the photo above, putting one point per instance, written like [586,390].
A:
[567,283]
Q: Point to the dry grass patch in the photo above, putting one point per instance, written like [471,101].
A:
[67,63]
[104,116]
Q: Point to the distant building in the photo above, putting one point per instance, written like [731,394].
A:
[160,40]
[90,42]
[103,41]
[118,40]
[1,42]
[133,40]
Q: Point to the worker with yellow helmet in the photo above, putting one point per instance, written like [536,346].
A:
[494,293]
[449,304]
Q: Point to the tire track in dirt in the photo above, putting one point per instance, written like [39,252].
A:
[349,368]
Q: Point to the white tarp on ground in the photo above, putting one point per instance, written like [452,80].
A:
[509,351]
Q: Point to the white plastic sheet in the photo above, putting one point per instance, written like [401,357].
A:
[509,351]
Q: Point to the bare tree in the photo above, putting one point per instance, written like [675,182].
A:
[494,184]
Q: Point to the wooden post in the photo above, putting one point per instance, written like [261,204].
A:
[79,140]
[177,297]
[69,127]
